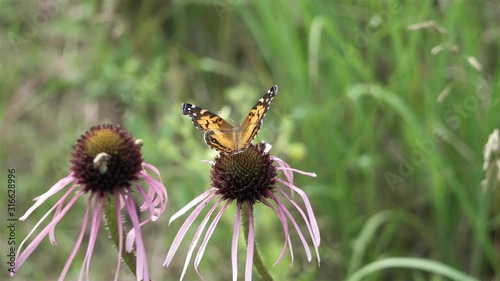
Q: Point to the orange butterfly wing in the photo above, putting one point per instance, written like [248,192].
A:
[220,134]
[254,119]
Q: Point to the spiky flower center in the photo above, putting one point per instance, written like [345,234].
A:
[106,159]
[247,176]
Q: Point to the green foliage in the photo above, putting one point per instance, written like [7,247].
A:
[391,116]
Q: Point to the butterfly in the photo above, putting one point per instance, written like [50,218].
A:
[220,134]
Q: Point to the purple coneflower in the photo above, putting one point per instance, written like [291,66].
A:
[248,178]
[107,165]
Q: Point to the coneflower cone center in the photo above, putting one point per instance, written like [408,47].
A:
[122,162]
[246,176]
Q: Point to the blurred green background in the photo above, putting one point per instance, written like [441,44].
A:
[389,102]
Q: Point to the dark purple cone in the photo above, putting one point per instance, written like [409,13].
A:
[116,170]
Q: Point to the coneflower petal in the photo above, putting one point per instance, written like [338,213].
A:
[142,265]
[185,226]
[297,228]
[297,171]
[148,204]
[21,257]
[97,214]
[308,224]
[310,212]
[234,245]
[154,169]
[302,213]
[42,198]
[250,244]
[209,233]
[284,223]
[77,243]
[284,167]
[197,236]
[191,204]
[156,191]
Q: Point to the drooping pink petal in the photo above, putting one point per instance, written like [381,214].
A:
[282,164]
[130,240]
[95,223]
[157,188]
[185,226]
[285,167]
[154,169]
[209,233]
[284,223]
[157,194]
[147,203]
[21,256]
[54,189]
[155,197]
[191,204]
[131,234]
[154,214]
[306,220]
[304,216]
[297,228]
[152,194]
[142,271]
[297,171]
[56,205]
[42,198]
[160,197]
[77,243]
[197,236]
[234,245]
[59,204]
[310,212]
[250,244]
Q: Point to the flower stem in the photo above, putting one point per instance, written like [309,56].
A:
[111,223]
[257,258]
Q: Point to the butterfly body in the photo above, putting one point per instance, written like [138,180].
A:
[220,134]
